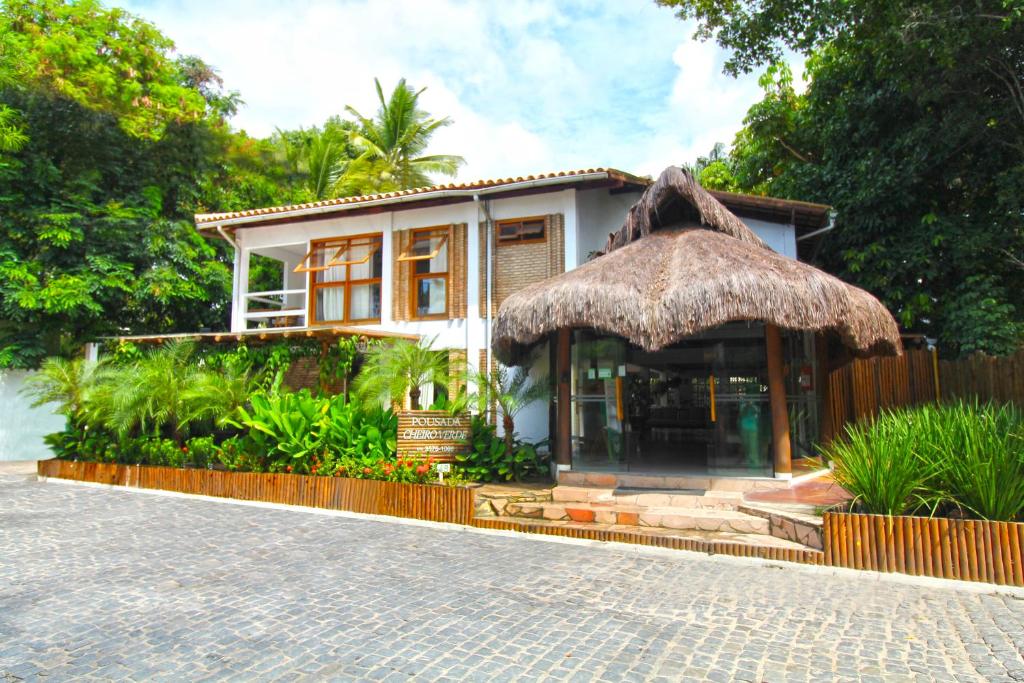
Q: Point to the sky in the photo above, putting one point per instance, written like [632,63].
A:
[530,85]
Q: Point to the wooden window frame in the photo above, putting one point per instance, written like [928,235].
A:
[445,232]
[345,243]
[527,219]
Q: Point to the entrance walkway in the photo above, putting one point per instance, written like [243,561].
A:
[121,584]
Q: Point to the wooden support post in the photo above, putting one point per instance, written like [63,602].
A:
[563,361]
[826,430]
[781,450]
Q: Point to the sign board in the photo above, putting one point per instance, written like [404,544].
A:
[433,434]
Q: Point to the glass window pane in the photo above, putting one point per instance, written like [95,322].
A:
[322,255]
[427,244]
[368,270]
[430,297]
[365,303]
[508,231]
[533,230]
[330,304]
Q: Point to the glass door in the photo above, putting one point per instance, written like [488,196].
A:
[598,402]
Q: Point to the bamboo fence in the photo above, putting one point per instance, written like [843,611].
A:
[417,501]
[964,549]
[968,550]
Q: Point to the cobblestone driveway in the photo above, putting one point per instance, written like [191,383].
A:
[115,584]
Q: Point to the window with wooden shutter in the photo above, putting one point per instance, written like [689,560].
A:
[430,273]
[427,253]
[344,279]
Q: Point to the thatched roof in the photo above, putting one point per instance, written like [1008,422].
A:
[657,284]
[675,191]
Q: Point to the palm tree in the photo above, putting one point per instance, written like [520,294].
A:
[392,146]
[511,393]
[149,395]
[316,154]
[68,383]
[393,370]
[214,396]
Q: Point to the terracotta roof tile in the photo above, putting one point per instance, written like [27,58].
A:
[204,219]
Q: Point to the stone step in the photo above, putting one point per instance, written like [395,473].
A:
[761,540]
[722,500]
[668,517]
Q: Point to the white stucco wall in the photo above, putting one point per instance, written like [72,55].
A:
[23,427]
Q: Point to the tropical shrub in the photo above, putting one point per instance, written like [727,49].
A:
[511,391]
[964,459]
[979,453]
[392,370]
[490,460]
[878,464]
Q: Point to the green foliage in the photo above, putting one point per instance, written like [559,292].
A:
[966,457]
[391,146]
[511,391]
[105,60]
[287,427]
[980,456]
[878,465]
[68,383]
[298,432]
[393,369]
[912,128]
[316,156]
[489,459]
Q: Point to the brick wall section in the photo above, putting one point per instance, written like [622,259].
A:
[517,265]
[456,371]
[303,373]
[400,276]
[401,289]
[458,269]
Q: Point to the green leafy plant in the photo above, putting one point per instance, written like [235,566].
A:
[963,457]
[979,454]
[392,370]
[490,460]
[511,391]
[877,463]
[287,427]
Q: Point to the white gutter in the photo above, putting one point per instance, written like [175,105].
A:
[404,199]
[489,229]
[820,231]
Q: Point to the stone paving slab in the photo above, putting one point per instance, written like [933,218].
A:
[109,584]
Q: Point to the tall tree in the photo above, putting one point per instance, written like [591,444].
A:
[392,144]
[912,127]
[96,199]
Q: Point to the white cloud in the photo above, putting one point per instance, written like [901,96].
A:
[531,85]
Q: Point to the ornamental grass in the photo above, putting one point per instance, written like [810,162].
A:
[964,459]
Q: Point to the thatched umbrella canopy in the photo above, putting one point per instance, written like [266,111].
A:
[683,264]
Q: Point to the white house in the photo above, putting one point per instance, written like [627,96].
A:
[438,261]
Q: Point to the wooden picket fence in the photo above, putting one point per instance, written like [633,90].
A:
[863,387]
[417,501]
[968,550]
[985,378]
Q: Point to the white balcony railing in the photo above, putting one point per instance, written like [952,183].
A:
[276,308]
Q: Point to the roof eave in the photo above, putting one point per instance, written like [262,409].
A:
[416,197]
